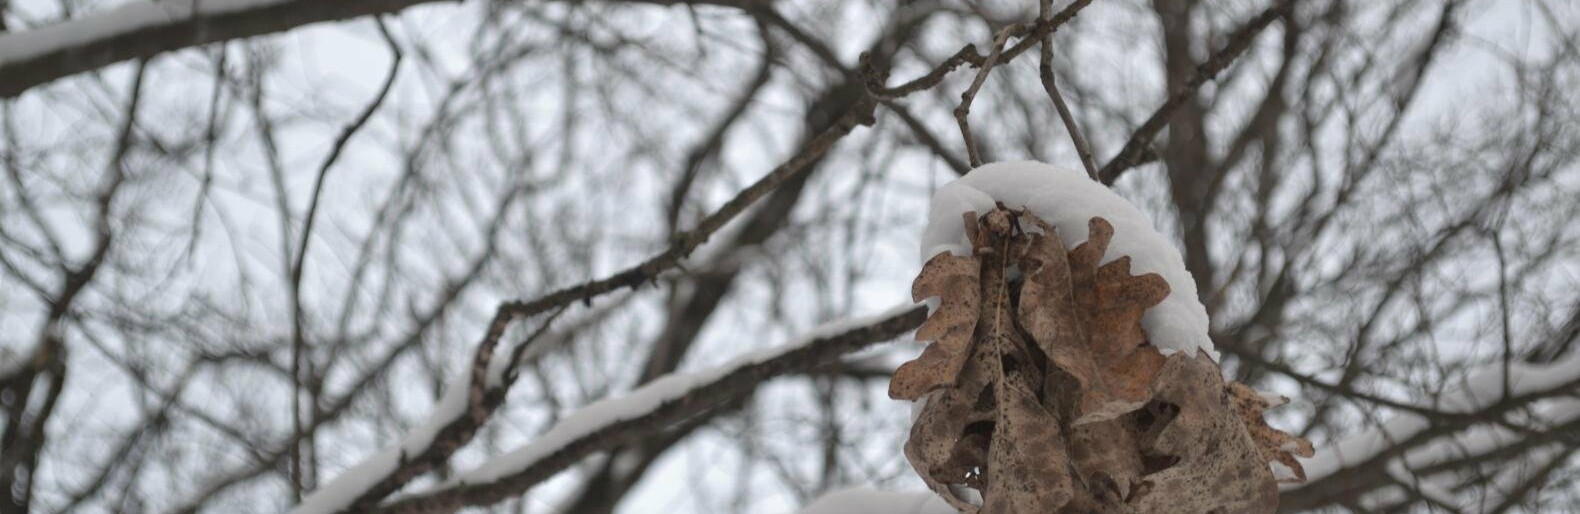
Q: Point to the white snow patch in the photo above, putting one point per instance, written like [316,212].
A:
[860,500]
[1067,199]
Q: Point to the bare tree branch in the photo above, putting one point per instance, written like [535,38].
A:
[1130,154]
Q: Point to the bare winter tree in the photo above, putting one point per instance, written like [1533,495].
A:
[564,256]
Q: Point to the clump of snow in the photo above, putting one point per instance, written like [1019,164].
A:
[1067,199]
[859,500]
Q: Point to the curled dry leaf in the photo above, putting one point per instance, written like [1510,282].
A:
[990,432]
[1043,395]
[1213,465]
[1087,318]
[1275,445]
[954,280]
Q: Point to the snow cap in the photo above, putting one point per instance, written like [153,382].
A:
[1068,199]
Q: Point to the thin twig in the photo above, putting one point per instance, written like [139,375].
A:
[298,264]
[301,364]
[1046,71]
[926,137]
[968,54]
[271,153]
[684,243]
[340,144]
[210,139]
[709,148]
[963,112]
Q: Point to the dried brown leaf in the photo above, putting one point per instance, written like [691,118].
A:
[1087,318]
[1012,451]
[952,437]
[1056,403]
[1028,464]
[1275,445]
[954,280]
[990,431]
[1214,466]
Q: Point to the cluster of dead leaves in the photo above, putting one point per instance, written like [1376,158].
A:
[1044,396]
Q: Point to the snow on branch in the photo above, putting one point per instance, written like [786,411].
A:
[466,405]
[607,423]
[143,29]
[1481,396]
[1496,412]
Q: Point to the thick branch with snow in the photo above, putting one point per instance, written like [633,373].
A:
[605,424]
[1492,415]
[143,29]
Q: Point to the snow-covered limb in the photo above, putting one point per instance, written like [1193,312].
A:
[1480,421]
[610,422]
[465,407]
[142,29]
[1508,476]
[1482,396]
[355,483]
[1512,484]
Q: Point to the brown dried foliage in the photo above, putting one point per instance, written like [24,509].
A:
[1275,445]
[1043,395]
[953,279]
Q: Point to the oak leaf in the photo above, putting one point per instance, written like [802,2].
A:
[1087,318]
[1275,445]
[1213,465]
[990,432]
[954,280]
